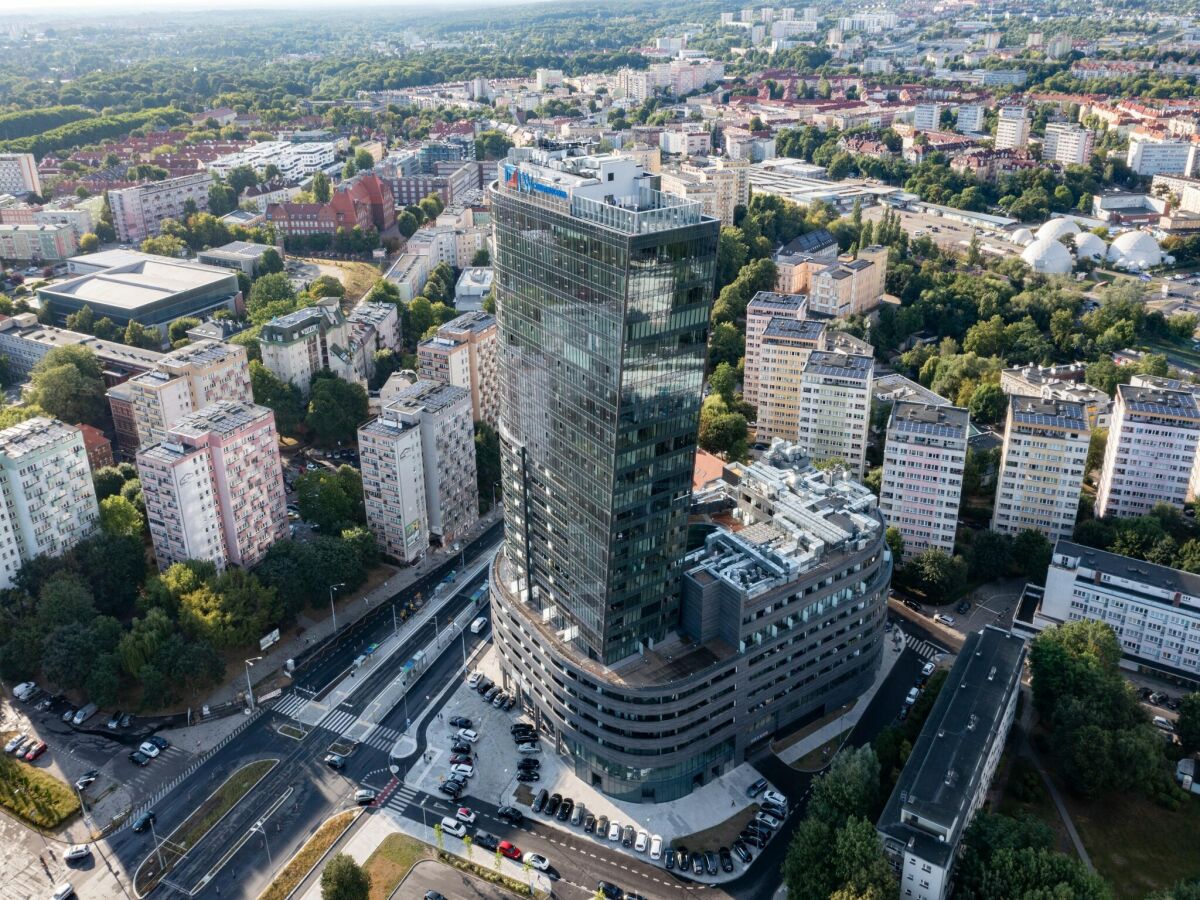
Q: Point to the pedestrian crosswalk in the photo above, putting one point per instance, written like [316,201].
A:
[338,721]
[401,798]
[291,705]
[924,648]
[382,738]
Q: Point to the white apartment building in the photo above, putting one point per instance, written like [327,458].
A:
[762,308]
[1041,467]
[1012,128]
[294,161]
[869,22]
[393,473]
[1155,610]
[548,78]
[835,408]
[1062,383]
[464,353]
[138,211]
[947,775]
[442,414]
[1151,452]
[927,117]
[686,141]
[970,118]
[300,344]
[184,381]
[923,464]
[19,174]
[49,502]
[1068,144]
[214,487]
[1152,155]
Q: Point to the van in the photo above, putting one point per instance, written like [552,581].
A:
[453,827]
[479,624]
[84,713]
[63,891]
[1164,723]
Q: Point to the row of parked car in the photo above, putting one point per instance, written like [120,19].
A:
[29,692]
[491,692]
[25,746]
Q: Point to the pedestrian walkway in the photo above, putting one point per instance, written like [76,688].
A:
[924,649]
[291,705]
[338,721]
[382,738]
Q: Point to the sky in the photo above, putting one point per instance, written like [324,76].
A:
[98,8]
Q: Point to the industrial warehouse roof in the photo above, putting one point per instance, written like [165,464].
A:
[142,283]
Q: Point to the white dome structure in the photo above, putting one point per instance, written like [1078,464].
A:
[1135,249]
[1022,237]
[1089,245]
[1048,256]
[1056,228]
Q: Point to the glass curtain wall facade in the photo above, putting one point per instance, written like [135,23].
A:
[602,323]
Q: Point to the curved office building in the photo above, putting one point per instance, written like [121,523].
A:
[654,669]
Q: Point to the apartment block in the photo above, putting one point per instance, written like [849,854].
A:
[946,777]
[393,474]
[785,346]
[184,381]
[19,174]
[923,464]
[1062,383]
[849,287]
[970,119]
[1068,144]
[442,414]
[1012,128]
[138,211]
[36,243]
[795,260]
[1041,467]
[762,308]
[214,487]
[464,354]
[1150,456]
[720,184]
[927,117]
[1151,154]
[300,344]
[835,408]
[49,502]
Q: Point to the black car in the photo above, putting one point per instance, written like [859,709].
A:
[86,779]
[520,726]
[522,737]
[334,761]
[553,804]
[451,789]
[757,788]
[511,814]
[669,859]
[963,608]
[539,802]
[753,839]
[460,722]
[726,859]
[491,694]
[742,851]
[434,895]
[684,858]
[160,742]
[526,775]
[610,891]
[487,840]
[485,685]
[589,824]
[529,765]
[710,862]
[697,863]
[144,821]
[630,895]
[627,836]
[564,811]
[602,827]
[913,605]
[774,809]
[138,758]
[460,747]
[509,703]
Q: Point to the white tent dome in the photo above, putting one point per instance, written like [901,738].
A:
[1048,256]
[1056,228]
[1022,236]
[1135,248]
[1088,244]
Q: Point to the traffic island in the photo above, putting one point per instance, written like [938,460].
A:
[34,796]
[307,857]
[171,849]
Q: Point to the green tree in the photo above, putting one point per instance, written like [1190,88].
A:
[107,480]
[67,383]
[420,316]
[1187,726]
[1039,873]
[895,542]
[344,879]
[989,556]
[849,788]
[120,517]
[939,575]
[482,257]
[1096,446]
[326,286]
[726,345]
[165,245]
[406,223]
[722,431]
[322,189]
[138,335]
[89,243]
[270,262]
[1032,551]
[723,381]
[177,331]
[270,289]
[487,464]
[336,409]
[280,396]
[492,144]
[331,500]
[988,404]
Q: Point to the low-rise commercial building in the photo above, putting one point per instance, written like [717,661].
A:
[25,340]
[241,255]
[947,775]
[472,288]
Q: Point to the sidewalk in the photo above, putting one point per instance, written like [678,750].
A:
[830,730]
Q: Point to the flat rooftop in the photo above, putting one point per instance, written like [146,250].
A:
[1157,402]
[1136,571]
[33,436]
[471,321]
[139,284]
[201,353]
[428,396]
[1059,415]
[794,329]
[926,418]
[239,250]
[223,417]
[771,301]
[841,365]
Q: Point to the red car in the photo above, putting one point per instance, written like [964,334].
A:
[510,850]
[35,751]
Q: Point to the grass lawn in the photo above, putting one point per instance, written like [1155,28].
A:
[1035,803]
[32,794]
[1176,354]
[819,757]
[390,862]
[1137,845]
[301,864]
[356,277]
[720,835]
[197,825]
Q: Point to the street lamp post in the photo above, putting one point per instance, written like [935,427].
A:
[258,826]
[157,848]
[332,588]
[249,686]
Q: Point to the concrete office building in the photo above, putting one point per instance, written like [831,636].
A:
[1151,154]
[948,773]
[1155,610]
[214,487]
[241,255]
[1012,128]
[1041,467]
[923,464]
[464,354]
[393,474]
[835,408]
[762,308]
[300,344]
[1150,456]
[442,415]
[25,340]
[49,502]
[138,211]
[184,381]
[19,174]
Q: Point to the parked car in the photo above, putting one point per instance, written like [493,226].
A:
[1159,722]
[775,797]
[539,802]
[25,690]
[138,758]
[63,891]
[463,769]
[364,796]
[460,747]
[512,851]
[529,748]
[35,751]
[86,779]
[160,742]
[774,809]
[602,827]
[589,824]
[511,815]
[114,721]
[911,697]
[742,851]
[15,742]
[149,749]
[710,862]
[68,714]
[487,841]
[726,859]
[453,827]
[76,852]
[610,890]
[527,776]
[458,758]
[84,713]
[520,726]
[697,863]
[943,619]
[627,836]
[472,681]
[757,788]
[642,842]
[913,605]
[529,764]
[577,814]
[564,811]
[669,859]
[536,860]
[553,804]
[460,722]
[466,734]
[767,819]
[451,789]
[927,669]
[465,814]
[614,831]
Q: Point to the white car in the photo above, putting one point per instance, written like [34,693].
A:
[465,815]
[656,846]
[466,734]
[24,689]
[151,750]
[63,891]
[16,742]
[538,861]
[474,679]
[944,619]
[614,831]
[77,851]
[466,771]
[529,748]
[927,669]
[641,842]
[767,819]
[771,796]
[913,694]
[364,796]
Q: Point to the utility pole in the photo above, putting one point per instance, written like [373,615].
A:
[332,609]
[249,686]
[258,826]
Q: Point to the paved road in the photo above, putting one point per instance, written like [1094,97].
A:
[448,881]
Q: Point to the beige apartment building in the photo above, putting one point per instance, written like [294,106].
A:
[762,308]
[721,184]
[464,354]
[838,289]
[783,353]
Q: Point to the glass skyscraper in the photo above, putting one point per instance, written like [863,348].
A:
[603,287]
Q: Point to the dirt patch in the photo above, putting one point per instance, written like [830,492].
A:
[811,728]
[301,864]
[391,861]
[721,835]
[819,757]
